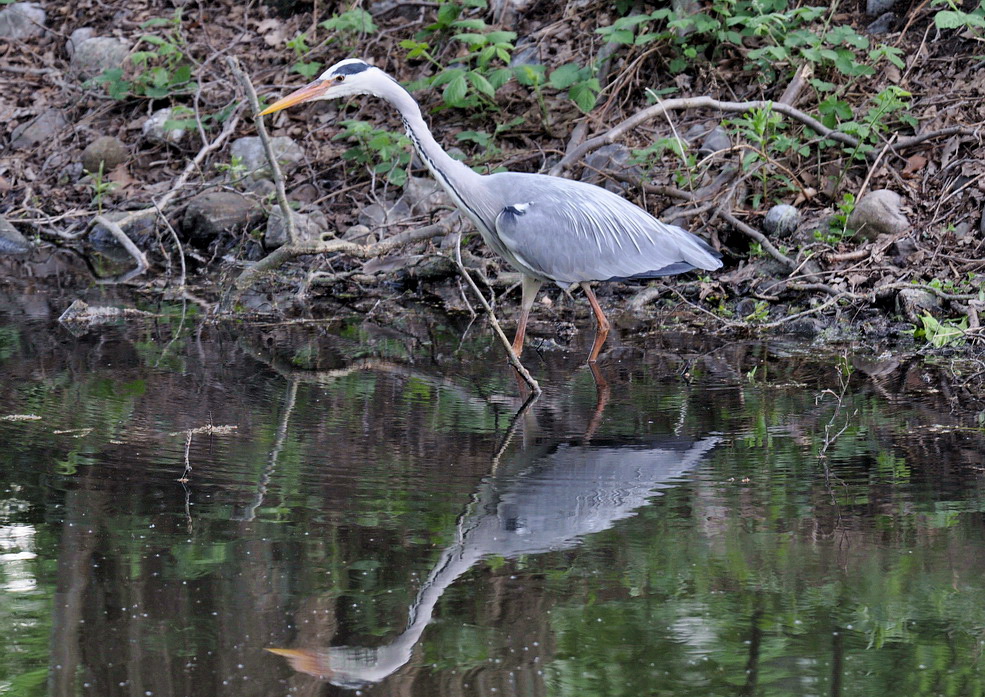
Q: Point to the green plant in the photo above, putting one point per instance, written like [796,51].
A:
[383,152]
[234,170]
[306,69]
[760,313]
[99,187]
[161,71]
[769,33]
[940,334]
[763,129]
[581,83]
[685,175]
[341,27]
[955,17]
[838,230]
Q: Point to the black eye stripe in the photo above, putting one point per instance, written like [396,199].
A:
[351,68]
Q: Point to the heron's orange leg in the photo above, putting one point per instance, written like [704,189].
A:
[530,288]
[602,330]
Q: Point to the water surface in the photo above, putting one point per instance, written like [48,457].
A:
[347,508]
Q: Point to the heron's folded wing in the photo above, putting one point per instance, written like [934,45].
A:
[580,235]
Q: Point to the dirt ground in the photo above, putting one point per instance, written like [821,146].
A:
[916,123]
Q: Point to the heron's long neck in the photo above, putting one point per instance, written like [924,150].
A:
[457,178]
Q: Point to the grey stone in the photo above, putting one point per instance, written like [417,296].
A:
[358,233]
[22,20]
[140,230]
[902,250]
[874,8]
[100,53]
[913,302]
[41,129]
[883,24]
[210,215]
[254,160]
[154,128]
[423,195]
[11,239]
[105,150]
[375,215]
[610,158]
[308,226]
[76,38]
[877,213]
[526,55]
[716,140]
[781,221]
[508,11]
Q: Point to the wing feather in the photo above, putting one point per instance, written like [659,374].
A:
[569,232]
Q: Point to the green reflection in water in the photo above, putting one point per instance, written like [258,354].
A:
[785,562]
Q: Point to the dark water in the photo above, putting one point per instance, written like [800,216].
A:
[736,518]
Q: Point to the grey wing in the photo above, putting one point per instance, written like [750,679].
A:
[571,232]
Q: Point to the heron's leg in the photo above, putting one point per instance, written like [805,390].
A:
[530,288]
[602,330]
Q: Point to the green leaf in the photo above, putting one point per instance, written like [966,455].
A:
[501,37]
[456,90]
[308,70]
[584,94]
[950,19]
[472,39]
[565,76]
[481,84]
[530,75]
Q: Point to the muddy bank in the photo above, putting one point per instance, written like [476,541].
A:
[844,191]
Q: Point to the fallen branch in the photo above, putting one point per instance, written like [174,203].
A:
[278,177]
[283,254]
[661,108]
[511,354]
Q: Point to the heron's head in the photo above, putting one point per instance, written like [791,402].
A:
[344,79]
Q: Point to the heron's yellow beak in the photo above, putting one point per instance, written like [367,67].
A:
[309,91]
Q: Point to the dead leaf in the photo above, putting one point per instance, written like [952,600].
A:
[914,163]
[120,176]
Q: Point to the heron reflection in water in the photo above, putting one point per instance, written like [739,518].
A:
[541,505]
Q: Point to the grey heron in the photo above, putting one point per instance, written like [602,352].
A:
[548,228]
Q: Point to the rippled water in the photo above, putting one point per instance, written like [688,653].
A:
[349,508]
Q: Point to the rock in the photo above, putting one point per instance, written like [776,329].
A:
[716,140]
[76,38]
[210,215]
[154,128]
[41,129]
[876,213]
[610,158]
[883,24]
[262,188]
[375,215]
[745,307]
[358,233]
[254,160]
[310,226]
[508,11]
[94,56]
[807,327]
[528,54]
[781,221]
[141,231]
[423,195]
[878,7]
[901,250]
[106,151]
[22,20]
[11,239]
[913,302]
